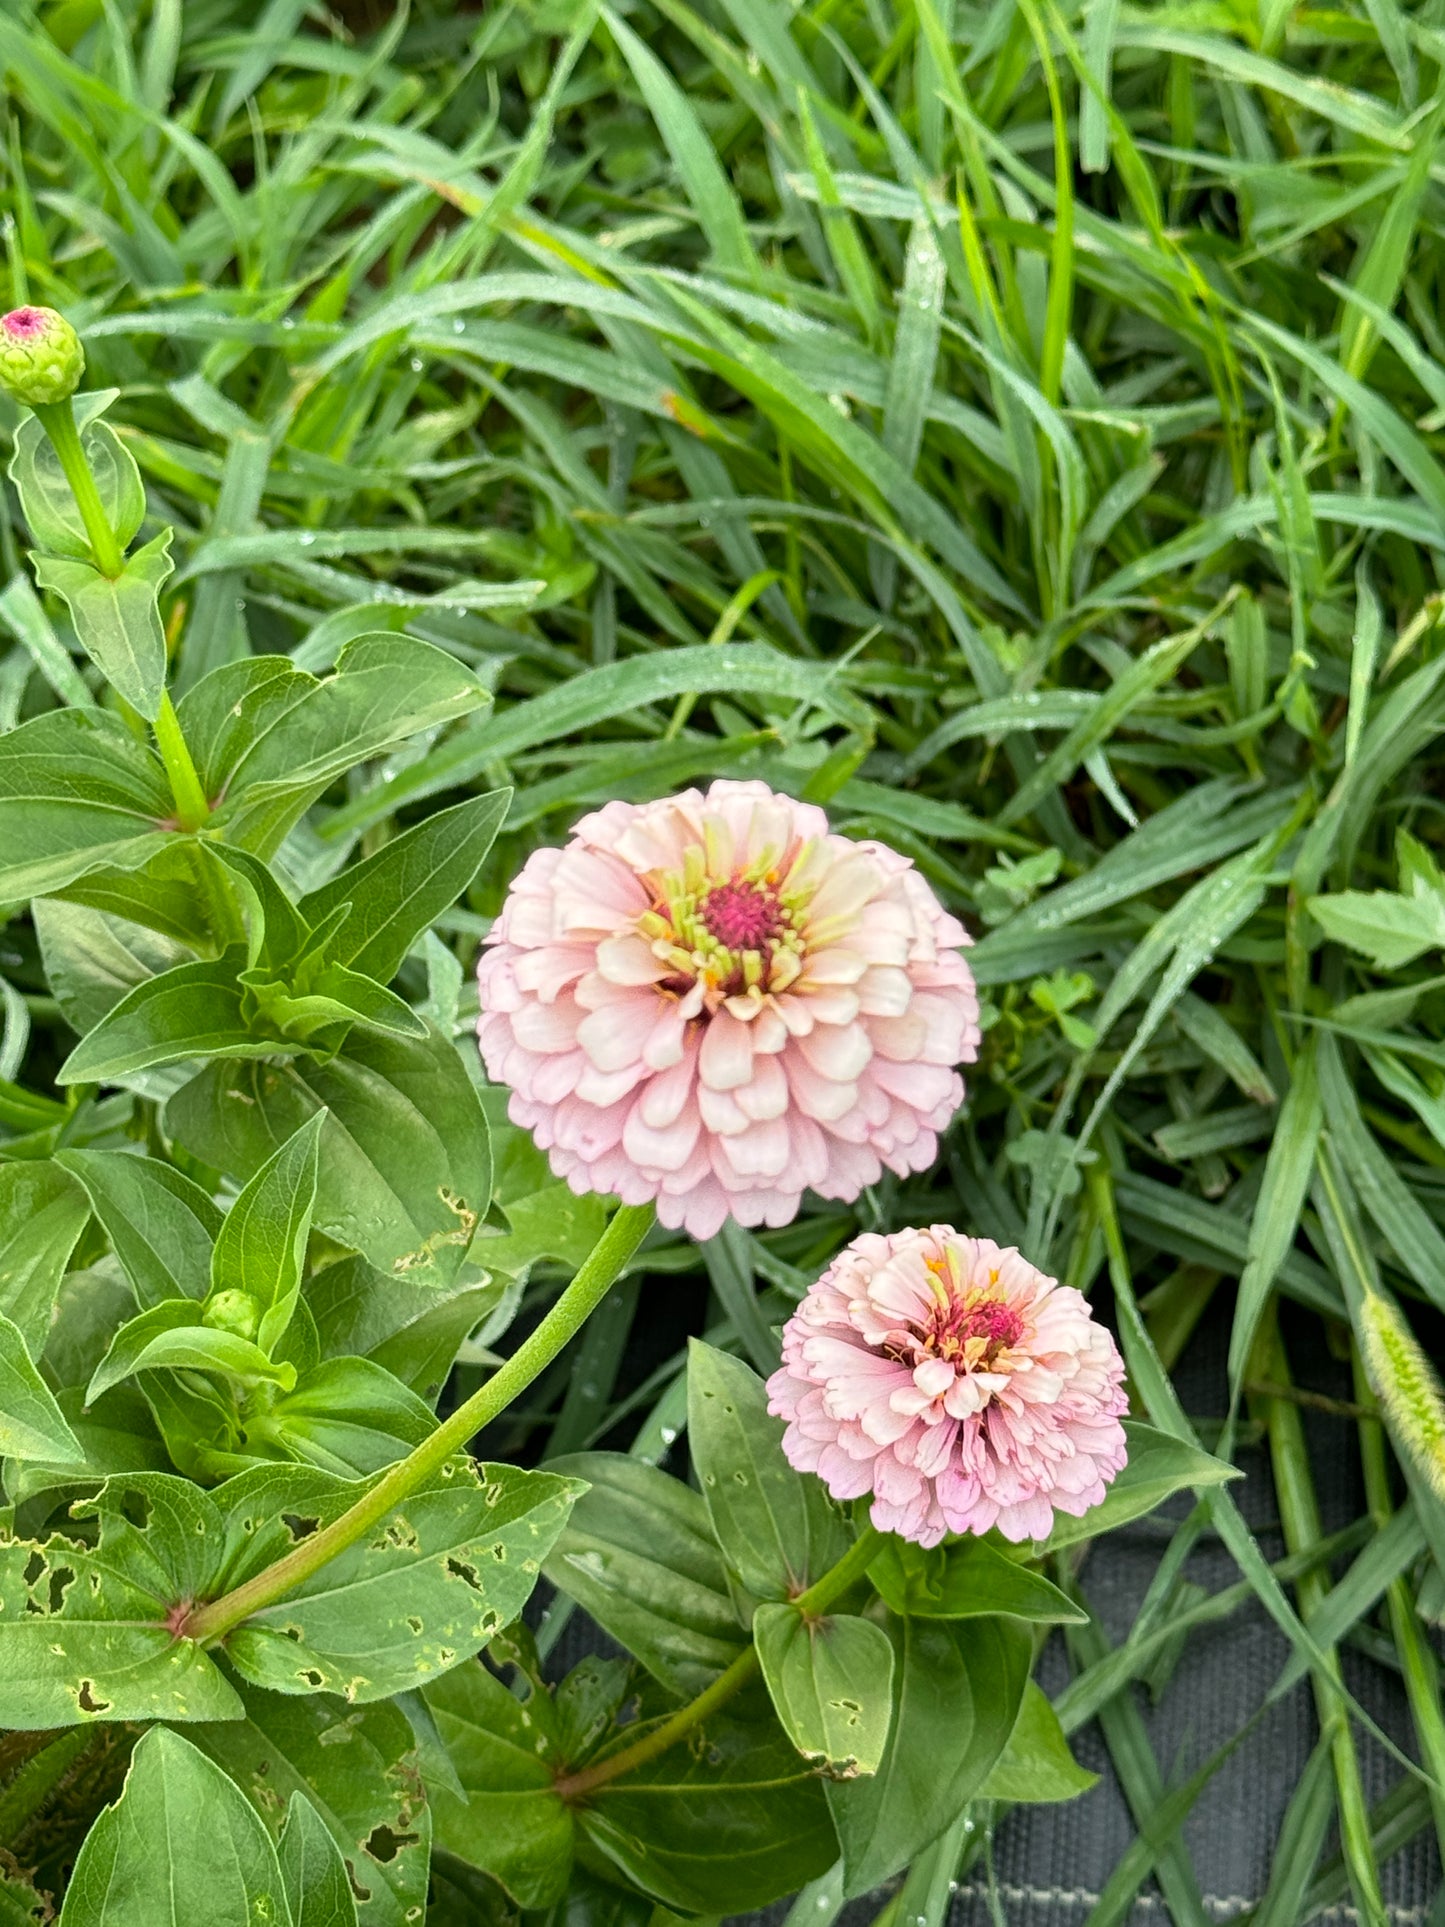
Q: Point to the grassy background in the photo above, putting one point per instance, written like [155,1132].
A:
[1021,430]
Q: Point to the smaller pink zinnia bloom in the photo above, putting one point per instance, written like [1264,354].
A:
[715,1002]
[954,1381]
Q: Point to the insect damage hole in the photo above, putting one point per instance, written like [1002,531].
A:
[459,1569]
[384,1845]
[298,1525]
[87,1702]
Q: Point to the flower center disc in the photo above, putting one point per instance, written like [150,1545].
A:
[741,916]
[980,1330]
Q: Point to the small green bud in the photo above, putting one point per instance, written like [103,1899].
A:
[232,1311]
[41,359]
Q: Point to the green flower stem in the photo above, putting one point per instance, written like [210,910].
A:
[812,1604]
[1300,1520]
[828,1590]
[603,1266]
[577,1786]
[192,809]
[1417,1661]
[41,1774]
[57,418]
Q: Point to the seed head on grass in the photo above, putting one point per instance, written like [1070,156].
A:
[1404,1381]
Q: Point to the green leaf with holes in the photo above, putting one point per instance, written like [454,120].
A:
[358,1770]
[957,1688]
[830,1681]
[428,1586]
[405,1171]
[507,1820]
[180,1846]
[83,1632]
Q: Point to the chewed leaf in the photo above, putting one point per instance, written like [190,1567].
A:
[831,1683]
[427,1587]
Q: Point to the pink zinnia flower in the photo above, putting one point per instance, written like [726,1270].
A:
[955,1382]
[714,1002]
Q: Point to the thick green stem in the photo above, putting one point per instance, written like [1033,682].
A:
[57,418]
[812,1604]
[628,1227]
[192,809]
[826,1591]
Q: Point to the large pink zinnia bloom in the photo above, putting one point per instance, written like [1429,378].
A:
[955,1382]
[715,1002]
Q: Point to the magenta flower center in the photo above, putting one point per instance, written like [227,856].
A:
[975,1331]
[742,916]
[24,322]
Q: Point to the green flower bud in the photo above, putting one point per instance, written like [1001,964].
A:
[232,1311]
[41,359]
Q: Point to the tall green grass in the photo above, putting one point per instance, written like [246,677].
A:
[1021,430]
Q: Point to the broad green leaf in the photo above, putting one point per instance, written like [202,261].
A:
[347,1415]
[405,1164]
[261,1246]
[118,620]
[358,1770]
[170,1336]
[32,1425]
[181,1846]
[956,1695]
[448,1569]
[313,1872]
[42,1214]
[510,1824]
[725,1824]
[970,1580]
[638,1554]
[46,497]
[831,1685]
[77,791]
[1037,1765]
[777,1531]
[1391,930]
[1158,1465]
[161,1224]
[400,891]
[83,1632]
[21,1904]
[191,1011]
[413,1330]
[93,959]
[385,689]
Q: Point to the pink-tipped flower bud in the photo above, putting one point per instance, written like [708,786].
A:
[41,359]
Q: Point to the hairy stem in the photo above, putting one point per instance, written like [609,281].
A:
[812,1604]
[601,1270]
